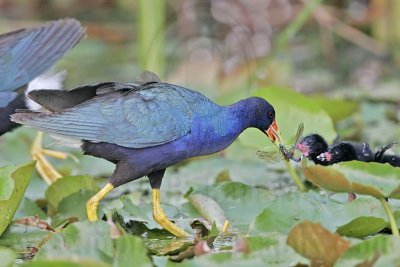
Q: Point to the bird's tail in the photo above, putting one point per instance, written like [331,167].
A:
[48,80]
[37,120]
[28,118]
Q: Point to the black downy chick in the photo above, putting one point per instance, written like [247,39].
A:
[312,146]
[346,151]
[315,148]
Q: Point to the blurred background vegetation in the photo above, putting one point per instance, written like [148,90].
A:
[229,48]
[219,46]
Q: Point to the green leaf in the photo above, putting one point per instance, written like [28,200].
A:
[273,252]
[21,177]
[365,178]
[292,108]
[316,243]
[19,237]
[81,240]
[7,257]
[68,185]
[379,251]
[260,242]
[29,208]
[214,230]
[6,181]
[129,248]
[362,227]
[73,205]
[92,242]
[338,109]
[240,203]
[289,209]
[66,263]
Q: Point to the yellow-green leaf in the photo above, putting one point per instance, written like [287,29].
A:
[21,177]
[366,178]
[362,226]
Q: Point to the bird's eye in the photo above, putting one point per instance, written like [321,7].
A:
[271,114]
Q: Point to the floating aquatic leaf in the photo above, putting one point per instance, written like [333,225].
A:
[316,243]
[21,177]
[366,178]
[379,251]
[67,185]
[362,227]
[7,257]
[287,210]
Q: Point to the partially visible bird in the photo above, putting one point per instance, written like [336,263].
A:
[26,54]
[145,127]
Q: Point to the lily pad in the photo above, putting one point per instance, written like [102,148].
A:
[81,240]
[84,241]
[22,237]
[362,227]
[73,205]
[379,251]
[66,263]
[316,243]
[365,178]
[292,108]
[272,251]
[6,182]
[289,209]
[240,203]
[29,208]
[21,177]
[7,257]
[129,248]
[68,185]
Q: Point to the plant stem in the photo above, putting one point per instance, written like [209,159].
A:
[392,221]
[295,177]
[297,23]
[151,31]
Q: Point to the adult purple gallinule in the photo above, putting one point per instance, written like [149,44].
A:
[26,54]
[145,127]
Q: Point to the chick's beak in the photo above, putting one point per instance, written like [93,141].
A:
[273,133]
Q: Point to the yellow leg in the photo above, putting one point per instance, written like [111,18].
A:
[161,218]
[43,166]
[93,202]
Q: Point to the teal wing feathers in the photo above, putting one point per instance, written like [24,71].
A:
[150,115]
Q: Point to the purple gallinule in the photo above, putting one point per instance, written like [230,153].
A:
[145,127]
[26,54]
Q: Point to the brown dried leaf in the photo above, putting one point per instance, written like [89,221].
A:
[316,243]
[35,222]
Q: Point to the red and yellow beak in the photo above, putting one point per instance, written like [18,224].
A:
[273,133]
